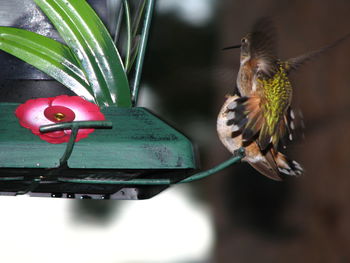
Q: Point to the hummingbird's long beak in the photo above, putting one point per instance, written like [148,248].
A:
[231,47]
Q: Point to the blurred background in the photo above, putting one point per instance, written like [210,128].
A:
[236,215]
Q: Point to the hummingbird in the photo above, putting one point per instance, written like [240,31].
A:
[264,111]
[261,115]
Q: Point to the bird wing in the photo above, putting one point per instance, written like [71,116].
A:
[263,44]
[294,63]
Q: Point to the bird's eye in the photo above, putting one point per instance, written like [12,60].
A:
[244,41]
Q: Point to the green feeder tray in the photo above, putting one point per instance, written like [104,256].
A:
[133,143]
[131,138]
[132,155]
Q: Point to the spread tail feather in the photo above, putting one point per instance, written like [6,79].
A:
[267,166]
[276,165]
[246,116]
[288,167]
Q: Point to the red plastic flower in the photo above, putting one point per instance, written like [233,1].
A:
[37,112]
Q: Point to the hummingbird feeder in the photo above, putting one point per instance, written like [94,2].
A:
[126,152]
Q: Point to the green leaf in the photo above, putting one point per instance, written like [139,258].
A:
[49,56]
[128,29]
[89,40]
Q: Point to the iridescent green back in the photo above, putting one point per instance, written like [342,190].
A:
[276,98]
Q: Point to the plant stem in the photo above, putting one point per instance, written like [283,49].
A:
[143,44]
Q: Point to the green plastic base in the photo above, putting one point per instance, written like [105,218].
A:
[138,140]
[139,145]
